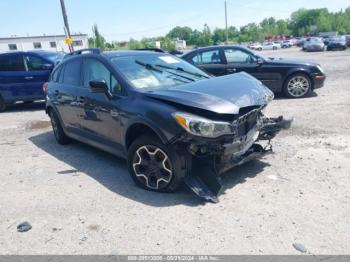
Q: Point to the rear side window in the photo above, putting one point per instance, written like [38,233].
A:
[72,75]
[207,57]
[12,63]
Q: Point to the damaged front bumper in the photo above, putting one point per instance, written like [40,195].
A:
[205,180]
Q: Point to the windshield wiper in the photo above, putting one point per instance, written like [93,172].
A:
[152,67]
[181,70]
[148,66]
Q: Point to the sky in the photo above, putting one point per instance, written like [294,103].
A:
[120,20]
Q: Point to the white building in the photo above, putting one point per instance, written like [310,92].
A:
[46,42]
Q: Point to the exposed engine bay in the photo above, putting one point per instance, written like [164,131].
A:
[251,139]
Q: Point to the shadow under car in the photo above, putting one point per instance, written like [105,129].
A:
[115,176]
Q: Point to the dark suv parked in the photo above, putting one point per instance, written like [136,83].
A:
[170,120]
[22,75]
[292,77]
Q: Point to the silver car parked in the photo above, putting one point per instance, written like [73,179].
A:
[314,44]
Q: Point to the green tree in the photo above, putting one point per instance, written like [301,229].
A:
[97,40]
[219,35]
[183,33]
[134,44]
[167,43]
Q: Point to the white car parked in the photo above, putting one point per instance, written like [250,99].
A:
[267,46]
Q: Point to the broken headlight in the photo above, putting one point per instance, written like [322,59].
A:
[200,126]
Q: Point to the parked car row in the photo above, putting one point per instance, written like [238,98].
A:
[322,44]
[307,44]
[265,46]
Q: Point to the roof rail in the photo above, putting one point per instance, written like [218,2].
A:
[159,50]
[84,51]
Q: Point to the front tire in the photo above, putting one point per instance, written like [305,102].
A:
[57,128]
[297,86]
[2,105]
[154,166]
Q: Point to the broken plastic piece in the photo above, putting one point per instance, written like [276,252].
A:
[24,227]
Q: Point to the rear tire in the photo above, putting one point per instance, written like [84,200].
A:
[297,86]
[2,105]
[154,166]
[58,131]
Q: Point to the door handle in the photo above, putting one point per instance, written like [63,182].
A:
[28,77]
[231,70]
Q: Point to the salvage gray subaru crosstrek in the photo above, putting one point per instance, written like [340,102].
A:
[170,120]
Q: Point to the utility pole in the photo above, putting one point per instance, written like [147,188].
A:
[66,25]
[226,22]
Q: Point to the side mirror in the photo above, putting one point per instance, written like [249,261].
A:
[259,61]
[98,86]
[47,66]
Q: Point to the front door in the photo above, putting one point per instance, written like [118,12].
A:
[101,112]
[36,76]
[238,60]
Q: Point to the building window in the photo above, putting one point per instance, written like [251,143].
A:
[53,44]
[12,47]
[78,43]
[37,45]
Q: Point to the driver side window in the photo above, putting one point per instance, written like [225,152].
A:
[34,63]
[95,70]
[234,56]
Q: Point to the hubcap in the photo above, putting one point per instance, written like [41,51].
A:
[298,86]
[152,167]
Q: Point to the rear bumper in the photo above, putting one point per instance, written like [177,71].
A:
[205,180]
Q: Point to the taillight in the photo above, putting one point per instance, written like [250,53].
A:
[45,86]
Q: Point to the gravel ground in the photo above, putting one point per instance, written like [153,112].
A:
[80,200]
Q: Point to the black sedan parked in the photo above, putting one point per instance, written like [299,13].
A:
[170,120]
[294,78]
[337,43]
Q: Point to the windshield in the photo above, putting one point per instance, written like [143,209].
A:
[338,39]
[156,71]
[316,40]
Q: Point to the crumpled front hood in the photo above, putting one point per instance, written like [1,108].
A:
[222,95]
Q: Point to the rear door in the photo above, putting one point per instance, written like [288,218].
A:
[38,73]
[12,77]
[211,61]
[68,94]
